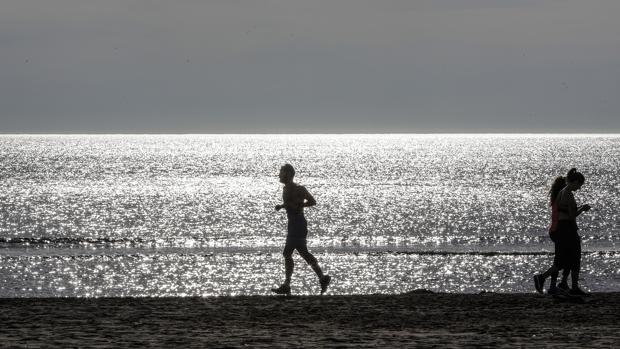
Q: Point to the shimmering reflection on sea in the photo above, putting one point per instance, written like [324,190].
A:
[193,215]
[254,273]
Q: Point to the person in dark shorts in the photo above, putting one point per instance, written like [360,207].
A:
[539,280]
[568,252]
[295,198]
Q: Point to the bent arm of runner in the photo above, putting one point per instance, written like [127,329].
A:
[309,199]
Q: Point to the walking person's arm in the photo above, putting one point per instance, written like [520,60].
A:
[583,208]
[573,210]
[571,205]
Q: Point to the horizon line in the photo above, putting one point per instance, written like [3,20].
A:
[303,133]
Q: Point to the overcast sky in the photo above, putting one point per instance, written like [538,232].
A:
[212,66]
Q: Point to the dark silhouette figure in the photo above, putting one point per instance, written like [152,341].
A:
[539,280]
[295,198]
[568,237]
[568,251]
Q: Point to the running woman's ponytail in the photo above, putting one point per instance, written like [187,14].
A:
[558,184]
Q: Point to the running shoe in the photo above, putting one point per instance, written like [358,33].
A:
[539,283]
[325,280]
[576,291]
[563,286]
[283,289]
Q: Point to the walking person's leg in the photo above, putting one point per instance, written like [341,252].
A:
[564,283]
[562,259]
[554,279]
[539,279]
[576,267]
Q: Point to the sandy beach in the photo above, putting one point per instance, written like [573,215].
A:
[415,319]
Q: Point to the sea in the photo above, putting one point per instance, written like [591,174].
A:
[193,215]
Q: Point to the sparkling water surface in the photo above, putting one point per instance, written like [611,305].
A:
[186,215]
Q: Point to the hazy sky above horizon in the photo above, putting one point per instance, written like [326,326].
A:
[190,66]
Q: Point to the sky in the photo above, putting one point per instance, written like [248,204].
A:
[299,66]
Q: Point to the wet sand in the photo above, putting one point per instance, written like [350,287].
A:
[415,319]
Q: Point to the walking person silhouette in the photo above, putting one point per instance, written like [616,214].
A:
[567,239]
[295,197]
[539,280]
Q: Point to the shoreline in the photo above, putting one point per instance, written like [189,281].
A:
[415,318]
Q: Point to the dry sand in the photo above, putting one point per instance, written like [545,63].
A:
[409,320]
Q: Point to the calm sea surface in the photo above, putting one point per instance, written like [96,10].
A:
[124,215]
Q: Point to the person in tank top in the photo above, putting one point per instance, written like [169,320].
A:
[539,280]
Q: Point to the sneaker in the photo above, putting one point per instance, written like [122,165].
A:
[325,280]
[563,286]
[576,291]
[283,289]
[557,290]
[539,283]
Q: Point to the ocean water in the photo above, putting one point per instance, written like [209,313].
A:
[193,215]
